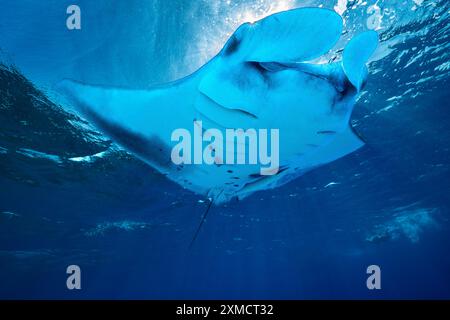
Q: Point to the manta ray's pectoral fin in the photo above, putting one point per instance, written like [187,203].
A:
[135,119]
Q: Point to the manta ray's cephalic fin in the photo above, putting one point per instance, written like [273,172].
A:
[355,57]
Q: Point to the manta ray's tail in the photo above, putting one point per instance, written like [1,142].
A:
[201,224]
[205,215]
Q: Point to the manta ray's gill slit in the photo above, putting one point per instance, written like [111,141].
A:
[244,112]
[207,123]
[217,105]
[326,132]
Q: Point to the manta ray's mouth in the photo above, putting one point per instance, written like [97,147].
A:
[342,86]
[332,74]
[345,90]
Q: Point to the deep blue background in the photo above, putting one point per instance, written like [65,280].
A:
[129,229]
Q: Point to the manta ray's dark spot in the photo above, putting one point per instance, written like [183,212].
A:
[259,176]
[233,46]
[346,88]
[236,185]
[235,178]
[326,132]
[230,171]
[356,133]
[282,169]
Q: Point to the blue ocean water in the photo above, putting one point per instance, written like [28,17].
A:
[68,195]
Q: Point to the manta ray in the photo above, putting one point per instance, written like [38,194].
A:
[263,77]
